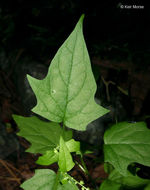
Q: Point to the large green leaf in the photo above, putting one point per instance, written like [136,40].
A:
[66,94]
[147,187]
[110,185]
[43,136]
[45,179]
[129,181]
[125,143]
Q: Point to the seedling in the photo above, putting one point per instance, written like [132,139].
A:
[66,98]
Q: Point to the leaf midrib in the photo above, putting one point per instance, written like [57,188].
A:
[72,57]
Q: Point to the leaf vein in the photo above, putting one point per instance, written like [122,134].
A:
[70,76]
[48,110]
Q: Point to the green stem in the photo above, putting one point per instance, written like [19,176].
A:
[87,172]
[63,127]
[56,181]
[79,183]
[84,166]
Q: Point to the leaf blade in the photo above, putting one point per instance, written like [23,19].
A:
[47,159]
[129,180]
[73,146]
[126,143]
[44,179]
[110,185]
[65,161]
[43,136]
[67,92]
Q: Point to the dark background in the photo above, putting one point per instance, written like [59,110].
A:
[42,26]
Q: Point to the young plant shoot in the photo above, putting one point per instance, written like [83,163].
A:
[66,98]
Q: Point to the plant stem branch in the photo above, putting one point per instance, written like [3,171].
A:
[84,166]
[87,172]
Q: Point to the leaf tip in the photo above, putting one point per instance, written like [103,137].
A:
[35,110]
[29,78]
[14,116]
[80,22]
[82,17]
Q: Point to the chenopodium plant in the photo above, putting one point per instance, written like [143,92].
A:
[66,98]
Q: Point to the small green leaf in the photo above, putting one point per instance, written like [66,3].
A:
[110,185]
[73,146]
[43,136]
[50,157]
[65,161]
[126,143]
[66,94]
